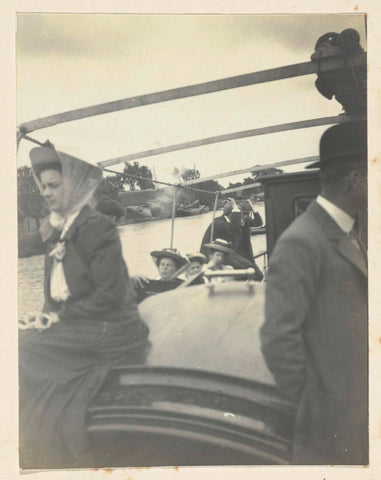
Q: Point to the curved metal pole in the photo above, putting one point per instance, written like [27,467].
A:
[278,73]
[214,214]
[173,216]
[289,71]
[283,127]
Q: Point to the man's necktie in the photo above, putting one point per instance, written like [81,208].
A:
[354,238]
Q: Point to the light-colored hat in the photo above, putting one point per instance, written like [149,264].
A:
[172,253]
[196,257]
[220,245]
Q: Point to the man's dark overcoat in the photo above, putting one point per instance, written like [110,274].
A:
[315,338]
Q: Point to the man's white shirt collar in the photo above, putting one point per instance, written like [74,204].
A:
[343,220]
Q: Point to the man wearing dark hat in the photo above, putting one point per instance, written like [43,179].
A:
[314,338]
[234,227]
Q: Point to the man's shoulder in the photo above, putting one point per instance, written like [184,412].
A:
[304,229]
[220,222]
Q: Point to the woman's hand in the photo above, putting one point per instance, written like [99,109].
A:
[28,322]
[40,321]
[233,203]
[140,280]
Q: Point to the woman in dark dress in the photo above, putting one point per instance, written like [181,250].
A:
[89,321]
[170,263]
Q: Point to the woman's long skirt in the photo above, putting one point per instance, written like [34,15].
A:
[60,371]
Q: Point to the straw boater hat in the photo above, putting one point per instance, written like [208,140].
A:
[346,142]
[172,253]
[220,245]
[196,257]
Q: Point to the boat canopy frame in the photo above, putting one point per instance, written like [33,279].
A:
[326,64]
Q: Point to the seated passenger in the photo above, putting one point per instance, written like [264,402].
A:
[89,322]
[219,252]
[169,263]
[234,227]
[193,271]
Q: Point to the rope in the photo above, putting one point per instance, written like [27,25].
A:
[22,135]
[177,185]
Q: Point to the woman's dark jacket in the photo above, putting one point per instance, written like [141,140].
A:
[94,269]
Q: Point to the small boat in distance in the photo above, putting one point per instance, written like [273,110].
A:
[193,208]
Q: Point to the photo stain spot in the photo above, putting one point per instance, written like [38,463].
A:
[176,469]
[356,7]
[374,161]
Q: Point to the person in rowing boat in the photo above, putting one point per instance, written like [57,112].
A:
[170,264]
[234,227]
[89,321]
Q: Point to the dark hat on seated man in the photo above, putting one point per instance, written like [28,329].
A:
[44,158]
[345,142]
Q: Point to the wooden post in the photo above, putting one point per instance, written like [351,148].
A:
[173,216]
[214,214]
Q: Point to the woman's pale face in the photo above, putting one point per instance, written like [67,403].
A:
[217,257]
[167,267]
[194,267]
[52,189]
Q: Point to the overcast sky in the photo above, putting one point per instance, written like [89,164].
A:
[67,61]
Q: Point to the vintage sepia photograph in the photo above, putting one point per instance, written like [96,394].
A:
[192,240]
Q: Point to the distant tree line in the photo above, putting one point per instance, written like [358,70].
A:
[255,177]
[32,204]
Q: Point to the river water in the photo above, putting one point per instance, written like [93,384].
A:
[138,240]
